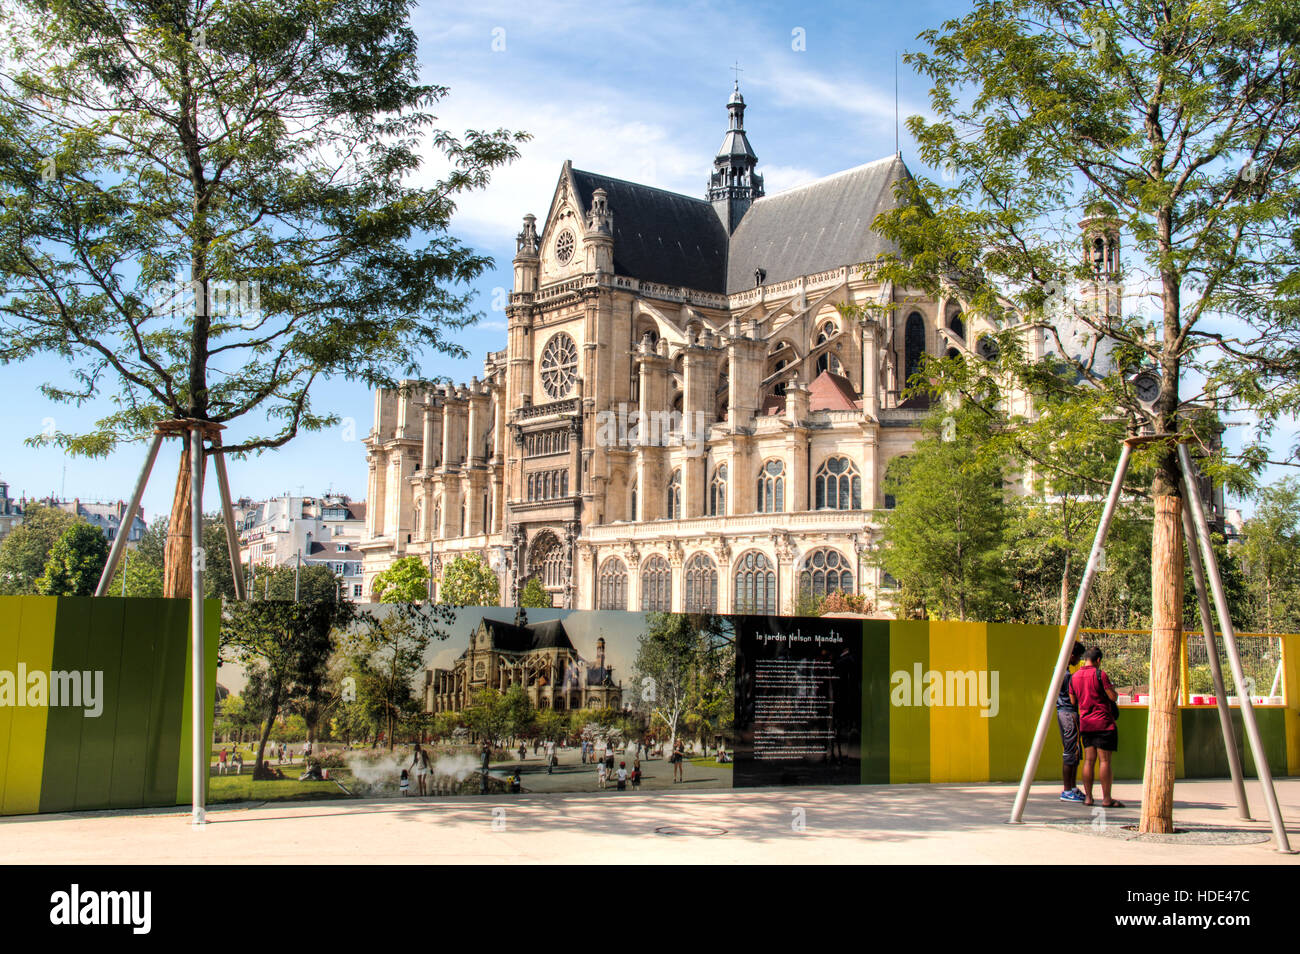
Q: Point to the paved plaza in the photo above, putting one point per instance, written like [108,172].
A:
[897,824]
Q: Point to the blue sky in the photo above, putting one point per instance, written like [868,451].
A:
[632,90]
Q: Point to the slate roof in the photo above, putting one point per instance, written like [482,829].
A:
[661,236]
[674,239]
[814,227]
[520,639]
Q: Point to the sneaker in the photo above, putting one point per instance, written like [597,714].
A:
[1078,791]
[1073,796]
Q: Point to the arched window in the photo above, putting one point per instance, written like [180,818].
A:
[718,492]
[839,486]
[957,327]
[611,593]
[547,561]
[701,584]
[656,585]
[913,346]
[633,515]
[675,495]
[771,487]
[826,571]
[828,362]
[755,585]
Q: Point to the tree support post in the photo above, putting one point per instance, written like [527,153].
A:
[1244,687]
[198,696]
[1216,668]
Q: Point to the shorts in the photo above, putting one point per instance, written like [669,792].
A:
[1106,741]
[1067,721]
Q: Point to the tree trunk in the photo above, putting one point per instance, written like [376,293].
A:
[1166,634]
[1065,591]
[258,771]
[176,559]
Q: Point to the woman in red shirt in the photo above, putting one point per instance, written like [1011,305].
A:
[1092,692]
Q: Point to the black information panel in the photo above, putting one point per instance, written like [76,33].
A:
[798,701]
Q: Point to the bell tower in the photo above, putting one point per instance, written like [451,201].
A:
[734,185]
[1101,294]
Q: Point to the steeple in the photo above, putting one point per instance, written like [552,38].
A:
[734,185]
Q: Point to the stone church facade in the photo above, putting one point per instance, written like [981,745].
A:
[682,418]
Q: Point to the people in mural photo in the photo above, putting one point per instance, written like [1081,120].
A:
[420,762]
[1092,692]
[1067,720]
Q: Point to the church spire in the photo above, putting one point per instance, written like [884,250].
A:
[734,185]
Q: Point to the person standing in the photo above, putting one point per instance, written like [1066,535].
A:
[1092,692]
[1067,720]
[420,762]
[678,758]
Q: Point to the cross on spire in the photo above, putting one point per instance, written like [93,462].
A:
[737,70]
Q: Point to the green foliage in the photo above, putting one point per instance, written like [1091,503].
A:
[1270,558]
[26,549]
[285,647]
[315,583]
[468,581]
[76,561]
[385,652]
[147,150]
[1176,125]
[683,675]
[142,564]
[943,540]
[406,581]
[534,595]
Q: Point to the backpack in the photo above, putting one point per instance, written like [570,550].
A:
[1112,707]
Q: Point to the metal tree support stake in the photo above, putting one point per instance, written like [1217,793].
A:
[198,698]
[1243,685]
[1072,631]
[1216,670]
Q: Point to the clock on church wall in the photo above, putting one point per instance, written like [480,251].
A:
[564,247]
[559,365]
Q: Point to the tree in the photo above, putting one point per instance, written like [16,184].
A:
[468,581]
[387,652]
[208,206]
[314,582]
[534,595]
[1270,556]
[406,581]
[1172,125]
[26,548]
[76,562]
[681,666]
[488,715]
[943,539]
[286,649]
